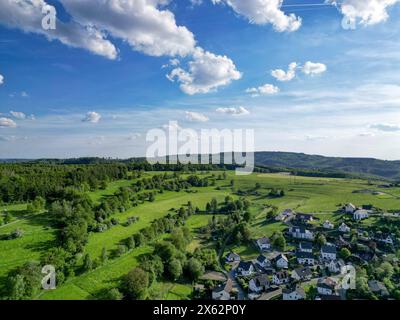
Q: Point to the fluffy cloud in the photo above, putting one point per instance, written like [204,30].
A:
[234,111]
[195,116]
[1,79]
[7,123]
[366,12]
[282,75]
[266,89]
[311,68]
[18,115]
[386,127]
[27,15]
[206,72]
[144,24]
[264,12]
[92,117]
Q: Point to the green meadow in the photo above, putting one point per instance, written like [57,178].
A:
[321,196]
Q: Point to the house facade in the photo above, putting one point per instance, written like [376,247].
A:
[328,252]
[280,277]
[344,228]
[360,214]
[281,261]
[305,258]
[293,294]
[259,283]
[245,268]
[306,247]
[263,244]
[301,233]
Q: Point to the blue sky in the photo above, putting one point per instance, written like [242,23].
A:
[68,93]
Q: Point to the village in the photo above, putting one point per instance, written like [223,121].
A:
[321,262]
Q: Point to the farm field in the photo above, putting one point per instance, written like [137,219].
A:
[320,196]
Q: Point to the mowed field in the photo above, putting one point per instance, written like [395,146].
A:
[321,196]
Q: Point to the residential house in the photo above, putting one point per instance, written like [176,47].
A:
[305,247]
[259,283]
[334,266]
[327,286]
[328,252]
[304,218]
[281,277]
[378,288]
[360,214]
[328,225]
[281,261]
[264,244]
[223,291]
[263,261]
[285,215]
[344,228]
[350,208]
[301,233]
[245,268]
[301,274]
[232,257]
[385,238]
[296,293]
[305,258]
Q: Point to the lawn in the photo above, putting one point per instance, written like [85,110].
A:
[321,196]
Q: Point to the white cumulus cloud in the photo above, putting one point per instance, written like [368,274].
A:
[282,75]
[312,68]
[27,15]
[206,72]
[365,12]
[7,123]
[92,117]
[18,115]
[1,79]
[234,111]
[263,12]
[195,116]
[144,24]
[266,89]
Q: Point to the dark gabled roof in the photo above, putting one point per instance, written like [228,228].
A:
[282,274]
[261,280]
[306,245]
[327,283]
[227,286]
[304,216]
[261,258]
[328,248]
[303,272]
[280,256]
[304,255]
[245,265]
[298,289]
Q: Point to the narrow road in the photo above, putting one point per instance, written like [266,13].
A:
[231,274]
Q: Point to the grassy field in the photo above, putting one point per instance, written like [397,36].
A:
[321,196]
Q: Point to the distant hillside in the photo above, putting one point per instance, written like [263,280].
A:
[364,166]
[302,164]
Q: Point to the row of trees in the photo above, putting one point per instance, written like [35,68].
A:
[24,182]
